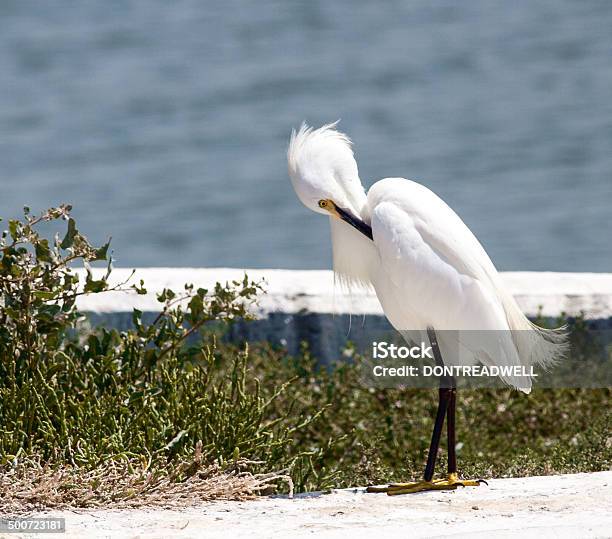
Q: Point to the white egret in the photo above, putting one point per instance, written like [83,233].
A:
[429,272]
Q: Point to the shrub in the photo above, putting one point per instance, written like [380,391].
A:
[148,394]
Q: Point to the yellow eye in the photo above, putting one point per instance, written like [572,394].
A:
[322,203]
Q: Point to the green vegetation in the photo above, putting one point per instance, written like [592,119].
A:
[166,411]
[383,435]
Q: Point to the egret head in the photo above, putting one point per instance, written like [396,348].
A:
[323,171]
[324,175]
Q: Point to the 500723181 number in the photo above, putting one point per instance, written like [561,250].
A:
[32,525]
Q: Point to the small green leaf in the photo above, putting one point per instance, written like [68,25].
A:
[14,229]
[139,288]
[196,306]
[70,234]
[102,251]
[137,317]
[44,295]
[95,286]
[43,253]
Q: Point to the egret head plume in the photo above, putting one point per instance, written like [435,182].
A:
[324,175]
[322,167]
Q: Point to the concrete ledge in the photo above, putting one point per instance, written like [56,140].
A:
[313,291]
[306,305]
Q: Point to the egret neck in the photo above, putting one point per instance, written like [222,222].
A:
[355,257]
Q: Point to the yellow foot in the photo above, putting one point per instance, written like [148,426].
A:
[451,483]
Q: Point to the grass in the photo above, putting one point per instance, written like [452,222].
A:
[243,421]
[32,485]
[374,436]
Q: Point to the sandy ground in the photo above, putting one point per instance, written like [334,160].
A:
[559,506]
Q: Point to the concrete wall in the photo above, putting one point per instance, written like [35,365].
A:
[305,305]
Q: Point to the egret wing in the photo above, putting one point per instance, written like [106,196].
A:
[435,273]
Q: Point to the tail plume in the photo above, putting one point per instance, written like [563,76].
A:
[535,345]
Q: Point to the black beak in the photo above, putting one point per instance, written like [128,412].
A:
[355,222]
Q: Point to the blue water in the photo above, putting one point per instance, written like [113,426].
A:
[165,124]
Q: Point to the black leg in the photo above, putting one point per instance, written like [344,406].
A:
[444,397]
[447,401]
[435,437]
[450,425]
